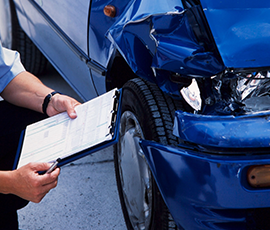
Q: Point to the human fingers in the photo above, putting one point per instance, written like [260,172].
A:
[47,182]
[28,184]
[39,166]
[47,178]
[61,103]
[50,178]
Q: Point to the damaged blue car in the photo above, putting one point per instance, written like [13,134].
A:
[194,139]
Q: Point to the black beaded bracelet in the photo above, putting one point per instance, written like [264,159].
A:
[46,101]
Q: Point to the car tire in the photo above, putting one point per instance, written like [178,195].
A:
[13,37]
[148,114]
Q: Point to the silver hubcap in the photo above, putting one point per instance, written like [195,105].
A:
[5,24]
[134,173]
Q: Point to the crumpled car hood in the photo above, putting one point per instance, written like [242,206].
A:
[162,34]
[241,30]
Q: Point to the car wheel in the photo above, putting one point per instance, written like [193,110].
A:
[148,114]
[13,37]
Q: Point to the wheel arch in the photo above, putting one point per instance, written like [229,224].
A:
[119,72]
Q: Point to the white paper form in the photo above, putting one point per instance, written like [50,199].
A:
[59,136]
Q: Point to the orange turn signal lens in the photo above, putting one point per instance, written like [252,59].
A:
[259,176]
[109,11]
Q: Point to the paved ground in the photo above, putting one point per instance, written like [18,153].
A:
[86,196]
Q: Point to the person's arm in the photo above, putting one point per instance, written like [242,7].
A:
[26,183]
[27,91]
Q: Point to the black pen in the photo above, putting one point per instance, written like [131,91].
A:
[53,166]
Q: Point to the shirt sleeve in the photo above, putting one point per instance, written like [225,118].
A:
[10,66]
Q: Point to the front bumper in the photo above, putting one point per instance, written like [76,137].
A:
[209,191]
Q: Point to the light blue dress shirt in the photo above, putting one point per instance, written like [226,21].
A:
[10,66]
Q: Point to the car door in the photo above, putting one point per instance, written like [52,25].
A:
[71,16]
[60,30]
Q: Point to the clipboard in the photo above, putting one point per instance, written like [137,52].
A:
[109,125]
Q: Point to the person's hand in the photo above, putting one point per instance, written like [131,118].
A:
[29,185]
[61,103]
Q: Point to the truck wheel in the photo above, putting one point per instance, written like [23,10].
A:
[13,37]
[148,114]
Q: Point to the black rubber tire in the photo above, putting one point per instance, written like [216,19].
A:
[33,60]
[155,113]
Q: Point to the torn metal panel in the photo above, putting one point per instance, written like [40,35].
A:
[179,51]
[241,31]
[164,38]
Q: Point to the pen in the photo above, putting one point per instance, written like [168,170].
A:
[53,166]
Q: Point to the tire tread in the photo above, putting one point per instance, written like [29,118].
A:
[160,124]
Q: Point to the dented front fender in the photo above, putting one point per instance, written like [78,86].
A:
[159,36]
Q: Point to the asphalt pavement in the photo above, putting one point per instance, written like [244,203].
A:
[86,196]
